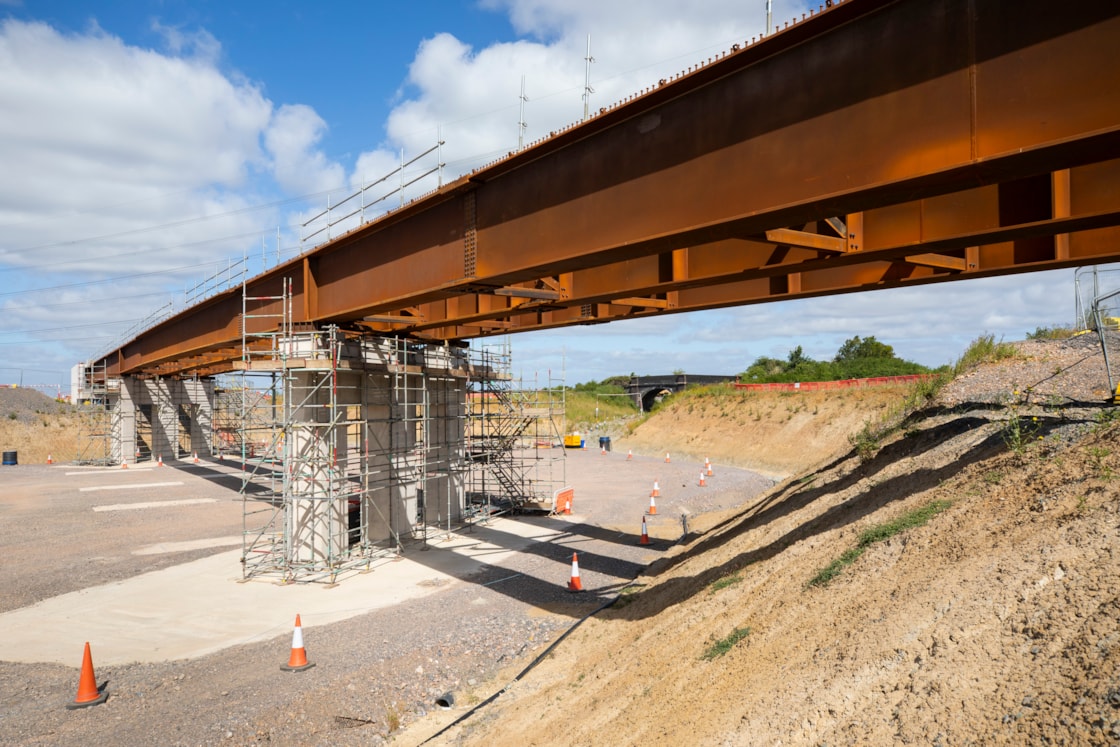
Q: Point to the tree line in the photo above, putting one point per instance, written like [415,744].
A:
[857,358]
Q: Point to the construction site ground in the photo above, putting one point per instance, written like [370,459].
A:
[993,623]
[144,564]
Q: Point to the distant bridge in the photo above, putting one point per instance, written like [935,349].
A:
[644,390]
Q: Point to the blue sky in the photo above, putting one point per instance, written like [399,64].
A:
[148,146]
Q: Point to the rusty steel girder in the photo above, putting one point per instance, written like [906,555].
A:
[875,144]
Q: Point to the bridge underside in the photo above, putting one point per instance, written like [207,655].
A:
[874,145]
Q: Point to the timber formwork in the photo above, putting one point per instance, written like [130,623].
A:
[357,447]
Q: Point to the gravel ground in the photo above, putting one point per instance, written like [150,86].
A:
[1044,372]
[373,673]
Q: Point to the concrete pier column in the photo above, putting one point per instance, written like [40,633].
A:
[444,486]
[317,515]
[122,421]
[159,394]
[198,399]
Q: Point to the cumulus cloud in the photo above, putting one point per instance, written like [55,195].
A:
[94,128]
[132,174]
[292,139]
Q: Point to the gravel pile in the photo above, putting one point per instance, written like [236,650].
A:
[1044,372]
[25,405]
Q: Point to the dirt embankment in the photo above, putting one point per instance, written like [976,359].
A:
[993,623]
[775,433]
[36,426]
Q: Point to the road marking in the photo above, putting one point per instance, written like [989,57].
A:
[153,504]
[169,547]
[133,486]
[89,473]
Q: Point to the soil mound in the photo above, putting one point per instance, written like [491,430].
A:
[825,612]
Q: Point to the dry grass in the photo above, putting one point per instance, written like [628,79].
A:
[56,435]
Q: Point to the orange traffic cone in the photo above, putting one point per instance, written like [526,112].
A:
[574,584]
[159,463]
[567,506]
[652,505]
[656,488]
[708,466]
[88,694]
[666,457]
[702,483]
[124,465]
[629,455]
[196,457]
[645,533]
[50,459]
[297,662]
[603,450]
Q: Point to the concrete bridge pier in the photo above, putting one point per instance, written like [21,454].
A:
[157,417]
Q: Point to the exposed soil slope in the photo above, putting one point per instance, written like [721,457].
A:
[775,433]
[35,426]
[993,623]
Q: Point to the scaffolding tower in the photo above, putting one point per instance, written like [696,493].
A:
[514,439]
[95,417]
[355,447]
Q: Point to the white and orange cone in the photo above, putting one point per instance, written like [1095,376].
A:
[603,450]
[645,533]
[50,459]
[88,694]
[656,488]
[297,662]
[629,454]
[666,457]
[124,464]
[707,466]
[196,458]
[652,505]
[160,462]
[567,506]
[702,483]
[574,584]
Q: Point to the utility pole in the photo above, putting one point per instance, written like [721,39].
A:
[587,89]
[769,17]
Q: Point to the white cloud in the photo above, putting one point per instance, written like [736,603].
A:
[122,162]
[292,138]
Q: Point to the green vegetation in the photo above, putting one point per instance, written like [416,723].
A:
[1056,332]
[1098,454]
[984,349]
[1018,430]
[878,533]
[628,595]
[721,647]
[726,581]
[857,358]
[587,404]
